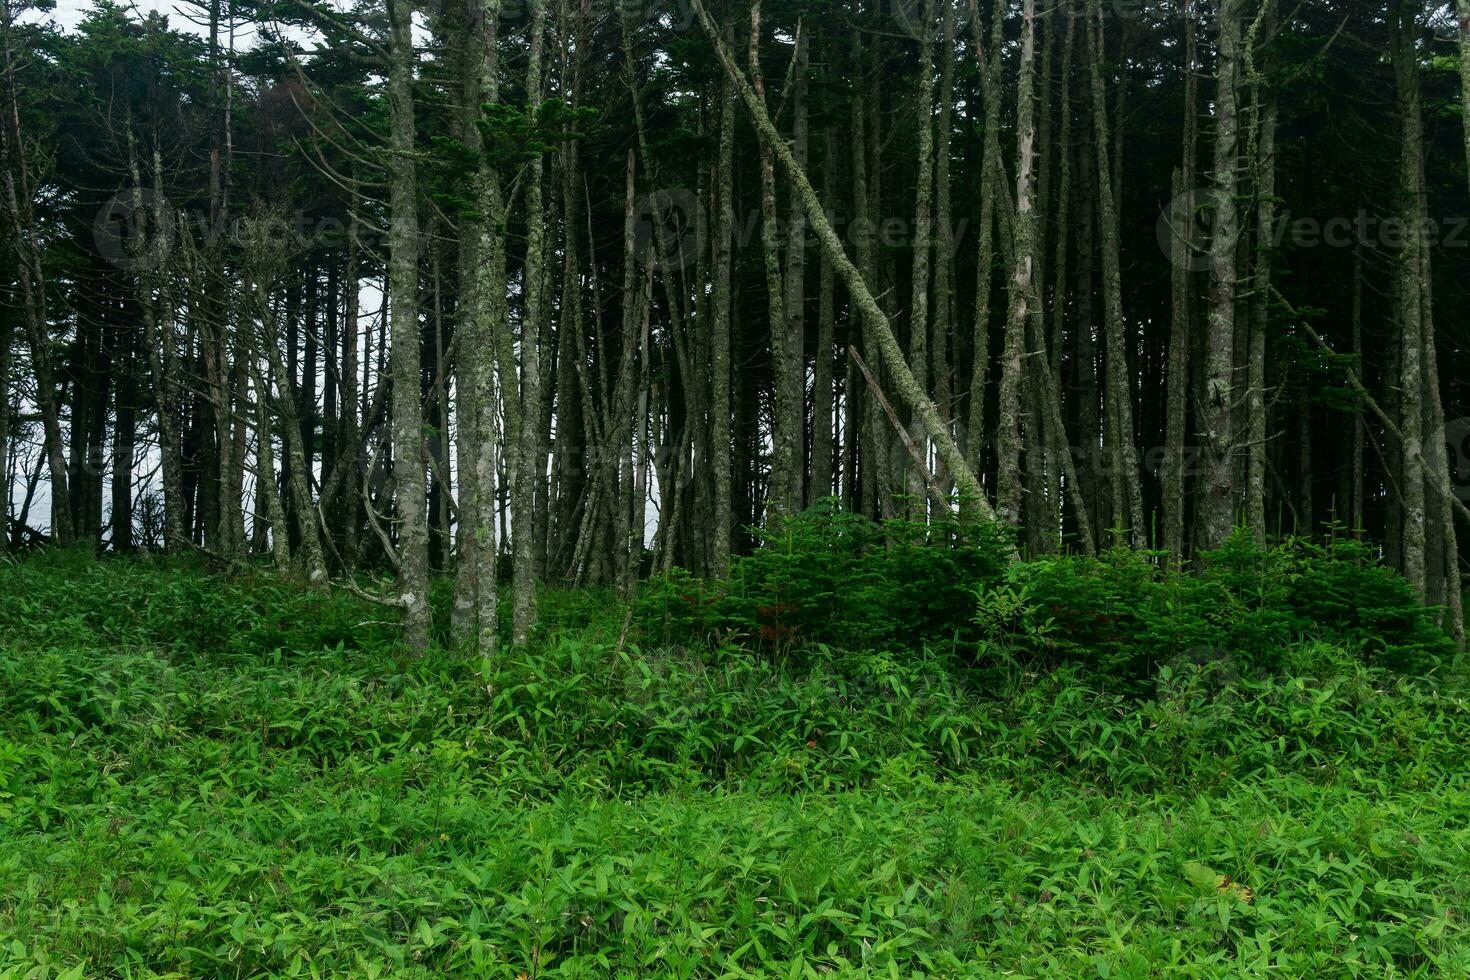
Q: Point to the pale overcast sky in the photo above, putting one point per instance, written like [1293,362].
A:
[68,13]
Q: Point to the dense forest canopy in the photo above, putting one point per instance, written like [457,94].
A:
[576,290]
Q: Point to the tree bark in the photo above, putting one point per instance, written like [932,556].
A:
[1012,364]
[402,296]
[1117,399]
[1216,507]
[1181,303]
[922,243]
[721,447]
[823,399]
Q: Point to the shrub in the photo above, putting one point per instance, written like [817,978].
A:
[831,577]
[836,579]
[1124,615]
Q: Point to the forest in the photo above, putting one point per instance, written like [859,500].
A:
[734,487]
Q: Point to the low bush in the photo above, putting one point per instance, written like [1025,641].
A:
[1123,616]
[832,579]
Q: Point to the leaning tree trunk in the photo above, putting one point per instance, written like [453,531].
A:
[907,386]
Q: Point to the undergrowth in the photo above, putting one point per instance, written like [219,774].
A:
[203,776]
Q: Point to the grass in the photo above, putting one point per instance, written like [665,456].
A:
[213,778]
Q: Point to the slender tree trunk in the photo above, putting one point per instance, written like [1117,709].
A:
[876,480]
[1462,8]
[1216,507]
[1411,324]
[1182,302]
[1263,157]
[123,442]
[402,296]
[922,243]
[793,373]
[473,619]
[297,482]
[985,252]
[1359,430]
[823,401]
[720,444]
[526,476]
[6,339]
[1012,365]
[1057,276]
[786,410]
[265,475]
[1118,399]
[945,238]
[351,507]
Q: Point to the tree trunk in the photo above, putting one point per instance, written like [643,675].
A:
[793,373]
[1117,399]
[1216,507]
[785,414]
[1411,324]
[922,241]
[402,296]
[945,238]
[985,253]
[823,399]
[1181,319]
[720,444]
[1012,365]
[526,474]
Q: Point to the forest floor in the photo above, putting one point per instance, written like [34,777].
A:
[212,777]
